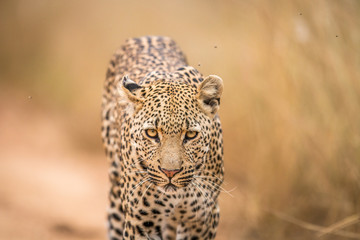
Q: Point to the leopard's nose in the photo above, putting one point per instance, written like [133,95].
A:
[170,173]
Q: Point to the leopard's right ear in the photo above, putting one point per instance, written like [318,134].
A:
[129,89]
[210,91]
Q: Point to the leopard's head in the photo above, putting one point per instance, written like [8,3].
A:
[170,127]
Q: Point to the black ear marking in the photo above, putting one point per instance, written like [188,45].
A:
[130,89]
[212,102]
[130,84]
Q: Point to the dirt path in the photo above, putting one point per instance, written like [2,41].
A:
[48,190]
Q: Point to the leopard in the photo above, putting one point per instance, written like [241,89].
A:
[162,137]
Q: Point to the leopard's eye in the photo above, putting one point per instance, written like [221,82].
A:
[151,133]
[191,135]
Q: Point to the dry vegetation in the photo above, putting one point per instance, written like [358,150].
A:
[290,111]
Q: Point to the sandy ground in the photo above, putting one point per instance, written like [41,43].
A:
[49,190]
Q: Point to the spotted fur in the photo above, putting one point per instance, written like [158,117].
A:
[167,186]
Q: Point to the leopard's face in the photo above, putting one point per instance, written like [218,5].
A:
[171,135]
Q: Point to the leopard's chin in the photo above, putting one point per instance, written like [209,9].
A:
[169,188]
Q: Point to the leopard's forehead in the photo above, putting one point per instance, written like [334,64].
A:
[171,106]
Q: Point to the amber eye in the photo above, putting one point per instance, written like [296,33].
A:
[190,134]
[152,133]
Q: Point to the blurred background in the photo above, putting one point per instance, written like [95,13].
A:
[290,111]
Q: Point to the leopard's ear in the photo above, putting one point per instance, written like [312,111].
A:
[129,89]
[209,93]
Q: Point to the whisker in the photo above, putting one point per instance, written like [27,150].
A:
[182,182]
[208,179]
[137,185]
[154,176]
[217,186]
[214,175]
[162,194]
[186,177]
[206,195]
[133,164]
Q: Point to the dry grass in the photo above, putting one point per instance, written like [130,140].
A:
[290,109]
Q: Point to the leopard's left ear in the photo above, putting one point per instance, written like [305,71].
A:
[129,89]
[209,93]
